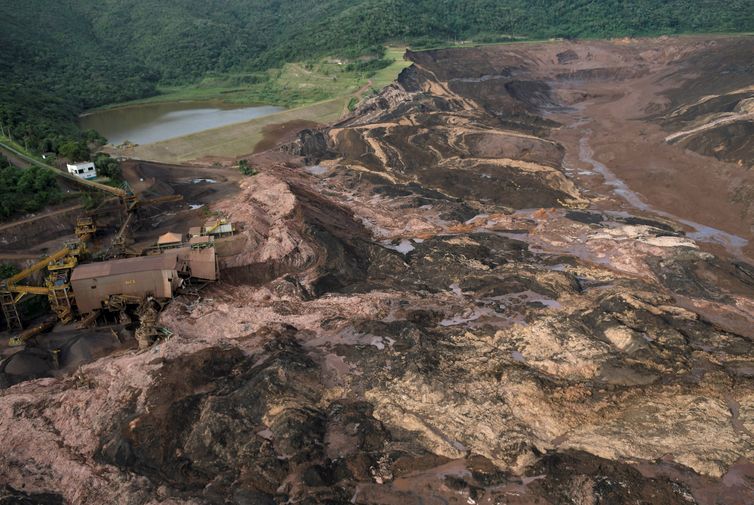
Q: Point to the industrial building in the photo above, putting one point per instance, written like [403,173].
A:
[216,228]
[95,283]
[158,276]
[198,261]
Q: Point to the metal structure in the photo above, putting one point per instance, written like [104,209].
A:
[60,264]
[56,287]
[97,285]
[29,333]
[119,246]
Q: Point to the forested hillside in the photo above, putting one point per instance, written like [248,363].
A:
[59,57]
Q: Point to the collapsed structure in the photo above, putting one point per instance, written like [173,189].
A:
[157,276]
[88,288]
[95,283]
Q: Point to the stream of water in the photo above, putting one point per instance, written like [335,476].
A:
[702,233]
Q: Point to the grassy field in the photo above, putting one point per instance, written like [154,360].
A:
[388,74]
[317,92]
[293,85]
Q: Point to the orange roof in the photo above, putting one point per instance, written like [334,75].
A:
[201,239]
[169,238]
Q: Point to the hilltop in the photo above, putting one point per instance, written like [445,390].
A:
[60,58]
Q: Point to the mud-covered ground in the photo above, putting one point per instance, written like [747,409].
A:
[467,292]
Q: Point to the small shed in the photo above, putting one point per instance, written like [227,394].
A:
[94,283]
[169,240]
[84,170]
[195,231]
[219,229]
[199,242]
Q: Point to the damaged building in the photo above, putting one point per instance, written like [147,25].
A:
[157,276]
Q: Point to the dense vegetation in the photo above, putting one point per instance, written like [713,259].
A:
[26,190]
[59,57]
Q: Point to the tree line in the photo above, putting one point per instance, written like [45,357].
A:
[58,59]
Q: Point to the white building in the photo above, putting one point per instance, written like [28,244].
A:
[85,170]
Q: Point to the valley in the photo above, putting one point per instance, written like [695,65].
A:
[518,274]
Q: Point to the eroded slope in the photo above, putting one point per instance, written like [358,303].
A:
[426,304]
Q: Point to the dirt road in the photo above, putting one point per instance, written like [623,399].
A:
[44,215]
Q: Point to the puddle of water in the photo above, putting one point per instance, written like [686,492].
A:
[528,480]
[404,246]
[266,434]
[526,297]
[208,181]
[194,206]
[477,217]
[316,170]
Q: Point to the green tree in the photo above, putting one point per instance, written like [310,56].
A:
[108,167]
[245,168]
[7,270]
[74,150]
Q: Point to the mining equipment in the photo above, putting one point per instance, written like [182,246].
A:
[61,263]
[217,229]
[62,272]
[57,285]
[33,331]
[118,247]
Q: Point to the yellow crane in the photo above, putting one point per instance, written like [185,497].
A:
[57,287]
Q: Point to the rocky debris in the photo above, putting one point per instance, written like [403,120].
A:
[440,314]
[10,496]
[312,145]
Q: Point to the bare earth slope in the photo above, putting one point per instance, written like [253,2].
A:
[521,274]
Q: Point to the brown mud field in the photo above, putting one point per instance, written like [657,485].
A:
[520,274]
[275,134]
[644,95]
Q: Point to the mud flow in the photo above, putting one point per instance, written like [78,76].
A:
[519,274]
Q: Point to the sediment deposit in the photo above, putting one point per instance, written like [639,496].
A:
[521,274]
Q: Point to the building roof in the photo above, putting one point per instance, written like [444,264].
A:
[166,261]
[81,164]
[169,238]
[195,230]
[197,239]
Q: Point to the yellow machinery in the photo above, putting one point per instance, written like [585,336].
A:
[60,264]
[25,335]
[119,245]
[57,287]
[215,226]
[133,202]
